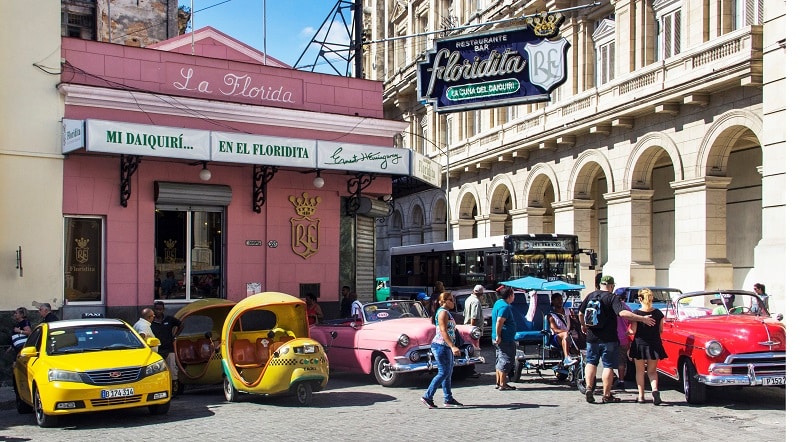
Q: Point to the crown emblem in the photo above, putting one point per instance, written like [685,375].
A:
[305,206]
[170,243]
[82,242]
[545,25]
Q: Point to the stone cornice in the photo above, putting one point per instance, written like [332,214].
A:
[701,184]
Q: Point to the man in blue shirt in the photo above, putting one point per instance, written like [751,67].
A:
[503,330]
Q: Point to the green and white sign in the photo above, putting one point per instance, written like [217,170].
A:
[263,149]
[140,139]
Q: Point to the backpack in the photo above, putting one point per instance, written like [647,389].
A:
[593,315]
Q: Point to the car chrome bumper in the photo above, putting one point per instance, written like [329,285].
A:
[750,380]
[403,365]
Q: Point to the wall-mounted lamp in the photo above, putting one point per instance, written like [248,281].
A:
[319,181]
[205,174]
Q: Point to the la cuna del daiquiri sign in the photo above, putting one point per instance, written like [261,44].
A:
[498,68]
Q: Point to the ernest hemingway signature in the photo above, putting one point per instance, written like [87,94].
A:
[365,156]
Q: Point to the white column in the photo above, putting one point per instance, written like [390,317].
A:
[701,235]
[528,220]
[630,237]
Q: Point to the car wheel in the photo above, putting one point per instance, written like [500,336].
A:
[383,372]
[159,409]
[42,419]
[302,392]
[693,390]
[231,393]
[517,374]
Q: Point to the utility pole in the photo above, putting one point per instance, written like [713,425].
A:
[358,38]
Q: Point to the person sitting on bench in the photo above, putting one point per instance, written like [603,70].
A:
[559,325]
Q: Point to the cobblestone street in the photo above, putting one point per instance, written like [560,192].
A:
[354,407]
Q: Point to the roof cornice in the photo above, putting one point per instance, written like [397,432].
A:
[132,101]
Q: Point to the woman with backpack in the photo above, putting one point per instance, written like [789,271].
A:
[647,349]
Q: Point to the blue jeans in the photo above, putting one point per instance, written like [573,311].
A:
[444,378]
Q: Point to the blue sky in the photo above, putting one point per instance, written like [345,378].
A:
[290,24]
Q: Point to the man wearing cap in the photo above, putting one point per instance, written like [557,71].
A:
[602,342]
[473,312]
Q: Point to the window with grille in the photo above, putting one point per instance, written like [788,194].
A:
[78,25]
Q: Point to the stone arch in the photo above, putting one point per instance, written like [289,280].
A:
[725,131]
[396,220]
[417,216]
[643,158]
[497,195]
[468,195]
[536,183]
[585,169]
[438,209]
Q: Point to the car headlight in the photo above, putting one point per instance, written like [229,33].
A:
[55,374]
[404,340]
[713,348]
[476,333]
[156,367]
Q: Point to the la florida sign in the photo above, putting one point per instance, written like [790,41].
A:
[498,68]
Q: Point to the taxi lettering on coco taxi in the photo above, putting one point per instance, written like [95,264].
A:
[86,365]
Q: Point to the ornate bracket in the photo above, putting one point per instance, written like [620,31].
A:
[355,186]
[389,202]
[127,167]
[261,176]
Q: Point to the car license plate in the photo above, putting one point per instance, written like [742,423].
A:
[117,392]
[774,380]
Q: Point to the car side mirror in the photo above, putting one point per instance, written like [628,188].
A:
[28,352]
[152,342]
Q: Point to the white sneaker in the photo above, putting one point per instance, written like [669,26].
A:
[568,361]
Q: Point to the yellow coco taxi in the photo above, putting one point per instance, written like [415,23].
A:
[85,365]
[266,349]
[196,347]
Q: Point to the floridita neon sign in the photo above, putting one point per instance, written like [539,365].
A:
[500,68]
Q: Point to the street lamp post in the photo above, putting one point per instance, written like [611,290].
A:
[447,196]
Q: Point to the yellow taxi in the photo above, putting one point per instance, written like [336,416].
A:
[86,365]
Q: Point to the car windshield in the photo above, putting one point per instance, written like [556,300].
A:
[388,310]
[716,304]
[664,295]
[91,338]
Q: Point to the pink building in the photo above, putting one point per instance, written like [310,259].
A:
[219,174]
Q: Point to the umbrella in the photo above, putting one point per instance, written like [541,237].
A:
[561,285]
[526,283]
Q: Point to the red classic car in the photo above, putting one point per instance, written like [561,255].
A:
[720,339]
[388,339]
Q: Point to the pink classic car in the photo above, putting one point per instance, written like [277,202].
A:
[389,339]
[720,339]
